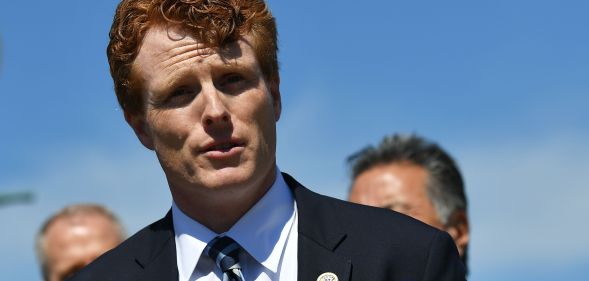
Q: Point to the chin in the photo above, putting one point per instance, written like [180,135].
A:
[227,178]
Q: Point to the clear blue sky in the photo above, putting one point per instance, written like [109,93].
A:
[502,85]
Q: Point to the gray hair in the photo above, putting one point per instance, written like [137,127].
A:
[445,185]
[67,213]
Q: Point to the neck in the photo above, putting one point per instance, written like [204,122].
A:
[220,209]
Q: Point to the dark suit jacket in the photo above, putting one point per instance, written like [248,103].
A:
[357,243]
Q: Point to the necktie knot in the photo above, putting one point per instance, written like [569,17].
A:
[225,251]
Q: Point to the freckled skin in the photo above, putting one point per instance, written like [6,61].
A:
[72,243]
[194,96]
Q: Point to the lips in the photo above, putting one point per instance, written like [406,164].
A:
[221,146]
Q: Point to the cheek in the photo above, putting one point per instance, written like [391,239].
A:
[428,216]
[267,126]
[169,131]
[257,114]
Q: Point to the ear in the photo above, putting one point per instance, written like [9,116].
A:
[274,85]
[142,131]
[459,229]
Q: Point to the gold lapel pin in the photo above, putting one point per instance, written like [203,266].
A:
[327,276]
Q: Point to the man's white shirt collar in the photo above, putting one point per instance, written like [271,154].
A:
[263,231]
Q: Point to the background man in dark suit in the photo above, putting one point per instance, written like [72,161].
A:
[410,175]
[198,82]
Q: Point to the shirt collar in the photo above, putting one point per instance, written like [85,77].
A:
[262,231]
[191,240]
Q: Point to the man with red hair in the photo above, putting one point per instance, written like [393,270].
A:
[198,82]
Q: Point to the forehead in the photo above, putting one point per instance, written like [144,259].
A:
[166,50]
[65,230]
[167,42]
[72,240]
[394,178]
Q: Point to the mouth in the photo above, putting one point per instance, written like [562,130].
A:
[222,146]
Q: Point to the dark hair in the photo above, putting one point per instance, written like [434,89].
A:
[213,22]
[445,185]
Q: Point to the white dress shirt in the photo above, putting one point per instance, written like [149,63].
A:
[268,233]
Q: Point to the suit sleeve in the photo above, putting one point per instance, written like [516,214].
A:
[443,262]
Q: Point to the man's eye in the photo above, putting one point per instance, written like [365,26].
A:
[232,83]
[180,92]
[181,96]
[231,79]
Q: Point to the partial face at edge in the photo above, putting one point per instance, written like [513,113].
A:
[402,187]
[209,116]
[72,243]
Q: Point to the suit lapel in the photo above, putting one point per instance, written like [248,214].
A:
[315,260]
[320,234]
[163,267]
[158,258]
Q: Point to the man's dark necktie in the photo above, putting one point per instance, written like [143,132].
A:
[224,251]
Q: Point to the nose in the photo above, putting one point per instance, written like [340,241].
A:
[215,112]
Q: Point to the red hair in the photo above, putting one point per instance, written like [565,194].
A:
[213,22]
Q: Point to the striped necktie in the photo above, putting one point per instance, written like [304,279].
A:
[224,251]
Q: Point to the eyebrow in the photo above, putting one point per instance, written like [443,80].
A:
[174,78]
[178,76]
